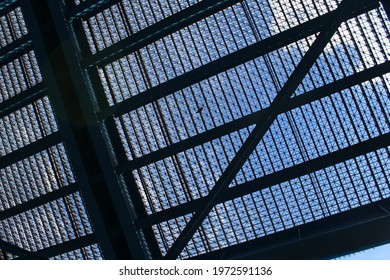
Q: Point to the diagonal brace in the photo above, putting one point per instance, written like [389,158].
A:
[21,253]
[262,126]
[158,31]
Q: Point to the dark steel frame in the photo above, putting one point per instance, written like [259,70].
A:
[86,121]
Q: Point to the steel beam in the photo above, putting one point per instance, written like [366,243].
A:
[347,232]
[229,61]
[386,7]
[22,99]
[38,201]
[108,128]
[91,158]
[15,50]
[273,179]
[296,102]
[68,246]
[262,126]
[89,8]
[7,6]
[21,253]
[30,149]
[158,30]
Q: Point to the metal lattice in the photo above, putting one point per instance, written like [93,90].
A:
[226,129]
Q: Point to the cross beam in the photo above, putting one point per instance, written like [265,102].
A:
[262,126]
[232,60]
[20,252]
[238,124]
[91,159]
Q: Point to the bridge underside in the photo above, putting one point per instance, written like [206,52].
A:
[212,129]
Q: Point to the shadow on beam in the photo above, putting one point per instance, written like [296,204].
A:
[22,253]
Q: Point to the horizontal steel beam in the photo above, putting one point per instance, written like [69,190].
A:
[21,253]
[275,178]
[68,246]
[344,233]
[263,124]
[158,30]
[229,61]
[22,99]
[15,50]
[30,149]
[296,102]
[89,9]
[7,6]
[38,201]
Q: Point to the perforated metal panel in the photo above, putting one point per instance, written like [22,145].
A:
[178,89]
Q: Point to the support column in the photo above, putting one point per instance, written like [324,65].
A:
[91,158]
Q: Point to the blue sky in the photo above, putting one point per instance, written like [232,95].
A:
[377,253]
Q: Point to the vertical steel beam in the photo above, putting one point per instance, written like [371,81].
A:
[7,6]
[90,157]
[233,59]
[248,120]
[262,126]
[110,133]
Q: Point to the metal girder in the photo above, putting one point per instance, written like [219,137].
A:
[108,128]
[38,201]
[30,149]
[52,251]
[7,5]
[129,186]
[89,155]
[158,30]
[347,232]
[386,7]
[229,61]
[296,102]
[131,192]
[68,246]
[22,99]
[89,8]
[22,253]
[15,49]
[262,126]
[270,180]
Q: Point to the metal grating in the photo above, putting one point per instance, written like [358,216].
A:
[346,117]
[196,128]
[40,205]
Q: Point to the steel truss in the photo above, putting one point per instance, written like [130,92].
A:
[107,162]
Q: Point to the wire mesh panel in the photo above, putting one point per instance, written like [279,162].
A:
[40,205]
[179,145]
[182,105]
[12,27]
[92,252]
